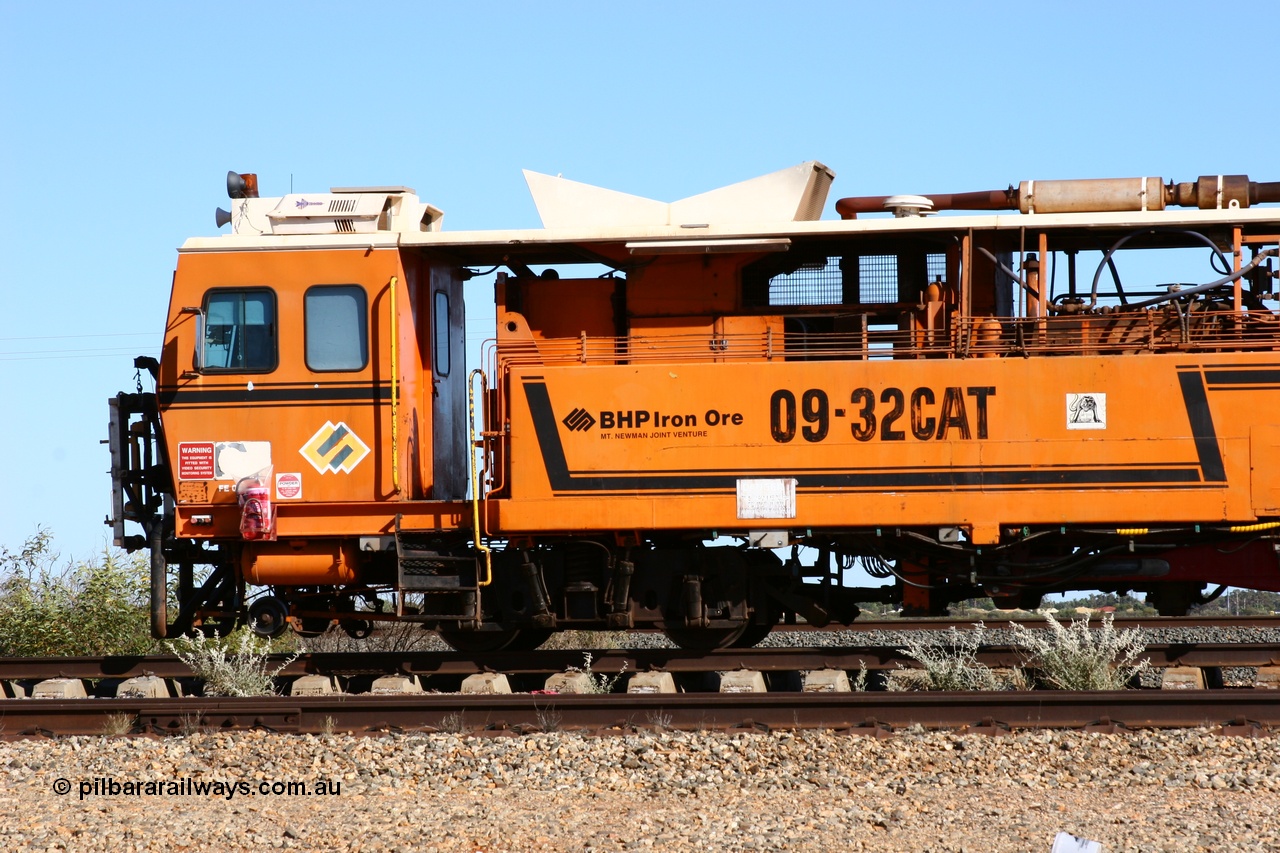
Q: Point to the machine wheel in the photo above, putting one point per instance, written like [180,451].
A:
[529,639]
[755,633]
[357,629]
[480,642]
[1174,599]
[706,639]
[752,636]
[1022,600]
[268,617]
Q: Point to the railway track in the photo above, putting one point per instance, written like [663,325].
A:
[698,706]
[456,665]
[862,624]
[1233,712]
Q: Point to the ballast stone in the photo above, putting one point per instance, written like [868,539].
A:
[1183,678]
[743,681]
[486,682]
[1268,678]
[569,682]
[395,684]
[651,682]
[826,681]
[143,687]
[59,688]
[314,685]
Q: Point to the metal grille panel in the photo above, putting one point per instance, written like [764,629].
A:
[809,285]
[823,285]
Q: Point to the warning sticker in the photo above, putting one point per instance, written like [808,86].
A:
[195,460]
[288,487]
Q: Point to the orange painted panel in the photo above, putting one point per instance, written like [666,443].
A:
[978,442]
[327,433]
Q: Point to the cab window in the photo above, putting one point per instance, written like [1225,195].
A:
[337,327]
[239,330]
[441,334]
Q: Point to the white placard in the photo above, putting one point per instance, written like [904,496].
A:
[767,498]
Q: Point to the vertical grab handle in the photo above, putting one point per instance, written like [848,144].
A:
[395,388]
[475,478]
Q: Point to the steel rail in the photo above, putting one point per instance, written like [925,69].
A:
[1234,711]
[998,622]
[606,661]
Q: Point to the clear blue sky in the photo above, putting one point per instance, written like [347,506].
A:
[121,120]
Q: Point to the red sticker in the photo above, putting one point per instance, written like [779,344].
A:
[288,486]
[195,460]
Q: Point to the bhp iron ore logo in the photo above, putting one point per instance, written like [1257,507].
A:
[579,420]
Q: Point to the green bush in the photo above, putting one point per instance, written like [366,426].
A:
[91,607]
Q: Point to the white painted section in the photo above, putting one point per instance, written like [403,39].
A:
[797,193]
[235,460]
[247,239]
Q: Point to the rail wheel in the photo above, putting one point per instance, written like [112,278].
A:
[268,617]
[706,639]
[1174,599]
[479,642]
[756,632]
[529,639]
[752,636]
[1021,600]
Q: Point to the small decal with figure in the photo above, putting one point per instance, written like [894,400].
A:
[1087,411]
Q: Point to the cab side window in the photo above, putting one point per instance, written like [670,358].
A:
[441,333]
[240,331]
[337,326]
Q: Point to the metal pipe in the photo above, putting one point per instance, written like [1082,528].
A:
[1192,291]
[1208,192]
[1108,263]
[849,208]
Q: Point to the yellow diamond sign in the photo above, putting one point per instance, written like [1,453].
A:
[334,447]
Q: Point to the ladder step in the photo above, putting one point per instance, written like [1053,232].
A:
[422,569]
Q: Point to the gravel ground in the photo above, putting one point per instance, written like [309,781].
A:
[1147,791]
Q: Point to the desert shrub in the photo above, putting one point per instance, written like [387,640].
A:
[598,682]
[949,661]
[1075,657]
[237,665]
[91,607]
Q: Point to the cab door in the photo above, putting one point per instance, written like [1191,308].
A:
[448,387]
